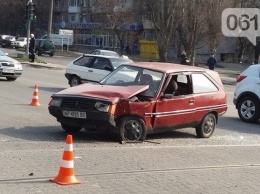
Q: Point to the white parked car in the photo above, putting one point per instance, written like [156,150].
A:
[107,53]
[21,42]
[92,68]
[104,52]
[9,68]
[247,94]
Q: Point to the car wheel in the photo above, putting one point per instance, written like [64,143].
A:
[249,110]
[51,54]
[132,129]
[70,129]
[74,81]
[11,78]
[207,126]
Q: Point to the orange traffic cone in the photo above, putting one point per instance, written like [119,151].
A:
[35,99]
[66,173]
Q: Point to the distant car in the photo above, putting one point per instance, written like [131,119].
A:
[21,42]
[44,46]
[9,68]
[143,98]
[104,52]
[6,40]
[247,94]
[92,68]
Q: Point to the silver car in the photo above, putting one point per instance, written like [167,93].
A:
[9,68]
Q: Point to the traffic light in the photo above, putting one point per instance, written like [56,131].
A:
[26,15]
[32,15]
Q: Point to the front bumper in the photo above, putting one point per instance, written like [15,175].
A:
[100,121]
[10,73]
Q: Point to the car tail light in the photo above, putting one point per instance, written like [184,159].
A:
[240,78]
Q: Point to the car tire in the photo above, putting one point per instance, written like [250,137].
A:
[11,78]
[132,129]
[249,110]
[74,81]
[70,129]
[51,54]
[207,126]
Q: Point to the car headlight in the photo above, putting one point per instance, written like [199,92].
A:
[102,106]
[55,102]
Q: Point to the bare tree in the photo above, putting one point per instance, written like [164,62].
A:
[114,15]
[165,17]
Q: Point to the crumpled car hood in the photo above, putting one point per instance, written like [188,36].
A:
[107,92]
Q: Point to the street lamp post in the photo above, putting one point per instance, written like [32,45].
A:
[28,29]
[50,19]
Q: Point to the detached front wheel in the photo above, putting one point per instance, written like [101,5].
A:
[207,126]
[132,129]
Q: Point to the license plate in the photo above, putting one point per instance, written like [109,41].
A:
[8,70]
[74,114]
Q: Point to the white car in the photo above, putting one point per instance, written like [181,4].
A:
[107,53]
[104,52]
[9,68]
[247,94]
[92,68]
[21,42]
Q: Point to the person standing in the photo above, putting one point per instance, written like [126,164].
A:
[212,62]
[184,58]
[32,48]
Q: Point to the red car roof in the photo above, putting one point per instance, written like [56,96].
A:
[167,67]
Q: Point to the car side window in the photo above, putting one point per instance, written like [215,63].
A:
[202,84]
[84,61]
[180,84]
[101,63]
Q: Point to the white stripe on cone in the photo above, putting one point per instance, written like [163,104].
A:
[67,164]
[69,147]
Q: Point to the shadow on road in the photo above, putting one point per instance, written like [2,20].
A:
[56,133]
[236,125]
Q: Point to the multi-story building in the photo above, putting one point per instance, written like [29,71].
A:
[83,17]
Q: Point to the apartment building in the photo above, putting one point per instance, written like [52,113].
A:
[83,17]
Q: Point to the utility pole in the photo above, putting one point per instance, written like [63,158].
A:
[50,19]
[28,28]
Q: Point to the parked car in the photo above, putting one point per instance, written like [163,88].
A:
[21,42]
[9,68]
[247,94]
[139,99]
[7,41]
[92,68]
[104,52]
[44,46]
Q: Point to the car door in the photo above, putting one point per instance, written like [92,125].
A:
[99,69]
[175,111]
[80,67]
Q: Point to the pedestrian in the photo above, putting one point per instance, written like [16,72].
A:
[184,59]
[32,48]
[212,62]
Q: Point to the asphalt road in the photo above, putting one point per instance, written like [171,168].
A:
[32,144]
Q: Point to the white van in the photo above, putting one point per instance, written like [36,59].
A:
[64,41]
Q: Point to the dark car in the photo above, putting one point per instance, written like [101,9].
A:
[5,40]
[44,46]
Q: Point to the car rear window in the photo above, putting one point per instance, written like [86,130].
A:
[201,84]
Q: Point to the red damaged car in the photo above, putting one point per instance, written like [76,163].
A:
[142,98]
